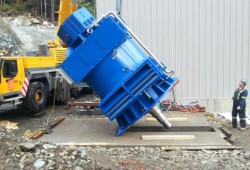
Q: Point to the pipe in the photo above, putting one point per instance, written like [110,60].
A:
[119,7]
[156,113]
[135,37]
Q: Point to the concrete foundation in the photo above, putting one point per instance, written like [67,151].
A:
[96,132]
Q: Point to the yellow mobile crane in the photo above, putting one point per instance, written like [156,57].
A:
[29,80]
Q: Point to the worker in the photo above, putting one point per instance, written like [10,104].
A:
[239,105]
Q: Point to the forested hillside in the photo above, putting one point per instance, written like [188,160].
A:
[39,8]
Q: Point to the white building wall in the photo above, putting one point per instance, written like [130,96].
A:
[206,42]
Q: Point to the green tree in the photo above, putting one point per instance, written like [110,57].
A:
[89,4]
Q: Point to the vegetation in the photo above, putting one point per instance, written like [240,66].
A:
[38,8]
[90,4]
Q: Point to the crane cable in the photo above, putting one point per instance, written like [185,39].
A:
[54,101]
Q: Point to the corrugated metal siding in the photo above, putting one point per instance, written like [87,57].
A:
[206,42]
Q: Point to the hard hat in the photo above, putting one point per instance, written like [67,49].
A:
[244,82]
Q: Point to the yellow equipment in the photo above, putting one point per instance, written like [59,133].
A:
[29,80]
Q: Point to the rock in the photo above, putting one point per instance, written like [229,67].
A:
[39,163]
[52,155]
[154,156]
[78,168]
[61,166]
[21,165]
[23,158]
[51,164]
[45,23]
[232,139]
[83,153]
[38,151]
[247,155]
[26,146]
[158,149]
[28,161]
[43,151]
[114,152]
[74,153]
[167,157]
[204,162]
[142,149]
[7,160]
[163,148]
[206,151]
[34,21]
[235,152]
[72,148]
[49,146]
[225,151]
[4,44]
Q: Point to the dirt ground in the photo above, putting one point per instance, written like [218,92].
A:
[239,137]
[76,157]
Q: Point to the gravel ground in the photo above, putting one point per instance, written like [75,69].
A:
[19,152]
[37,35]
[30,35]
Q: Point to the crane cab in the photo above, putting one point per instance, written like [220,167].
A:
[11,76]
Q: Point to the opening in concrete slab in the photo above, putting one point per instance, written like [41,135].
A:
[91,112]
[172,129]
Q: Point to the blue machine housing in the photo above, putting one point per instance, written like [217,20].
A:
[128,80]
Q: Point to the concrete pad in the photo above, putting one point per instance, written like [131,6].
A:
[101,132]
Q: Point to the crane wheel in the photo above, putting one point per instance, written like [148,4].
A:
[36,97]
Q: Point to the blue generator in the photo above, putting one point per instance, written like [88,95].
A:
[107,56]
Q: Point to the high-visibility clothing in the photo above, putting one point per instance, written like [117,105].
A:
[239,107]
